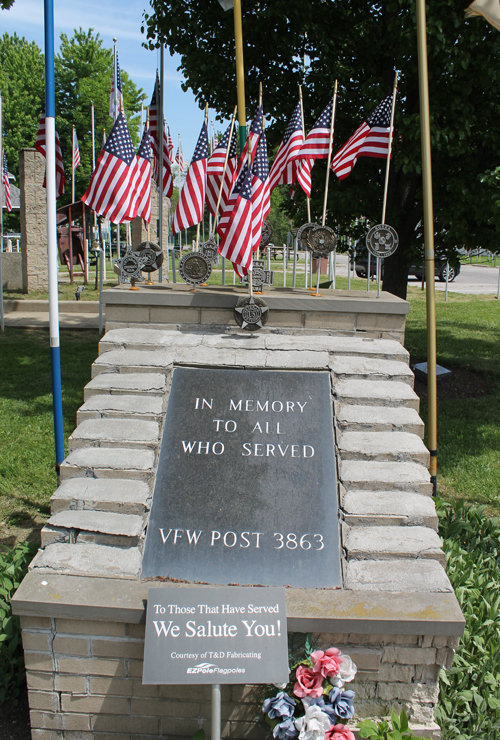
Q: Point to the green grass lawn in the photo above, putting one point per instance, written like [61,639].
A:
[468,330]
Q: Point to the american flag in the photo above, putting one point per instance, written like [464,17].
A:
[285,165]
[371,139]
[40,145]
[170,145]
[317,141]
[215,170]
[304,175]
[76,151]
[116,103]
[6,184]
[141,202]
[236,242]
[154,118]
[239,175]
[189,209]
[261,191]
[168,182]
[111,189]
[179,157]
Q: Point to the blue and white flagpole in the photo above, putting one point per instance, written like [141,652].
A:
[50,136]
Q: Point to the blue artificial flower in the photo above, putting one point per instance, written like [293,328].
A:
[286,730]
[326,708]
[342,703]
[280,705]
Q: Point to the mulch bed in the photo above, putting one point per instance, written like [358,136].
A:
[15,723]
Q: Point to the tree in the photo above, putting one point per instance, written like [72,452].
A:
[362,43]
[22,85]
[83,73]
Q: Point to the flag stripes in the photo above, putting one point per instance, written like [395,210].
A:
[41,146]
[215,171]
[189,211]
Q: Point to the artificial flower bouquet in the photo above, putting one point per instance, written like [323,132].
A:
[316,704]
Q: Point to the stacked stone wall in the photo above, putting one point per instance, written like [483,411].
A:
[33,221]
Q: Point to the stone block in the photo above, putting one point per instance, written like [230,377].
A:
[383,543]
[364,658]
[83,627]
[380,322]
[117,648]
[71,646]
[129,525]
[76,723]
[107,406]
[288,318]
[370,368]
[383,446]
[36,623]
[328,320]
[93,494]
[90,560]
[102,462]
[95,704]
[389,508]
[136,630]
[408,655]
[38,661]
[217,317]
[297,360]
[51,535]
[125,724]
[125,383]
[91,666]
[174,315]
[70,684]
[40,734]
[40,681]
[134,433]
[37,640]
[122,313]
[45,720]
[357,418]
[385,476]
[133,361]
[376,393]
[46,701]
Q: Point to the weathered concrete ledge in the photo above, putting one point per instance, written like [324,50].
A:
[366,612]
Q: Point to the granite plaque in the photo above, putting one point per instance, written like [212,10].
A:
[245,489]
[224,635]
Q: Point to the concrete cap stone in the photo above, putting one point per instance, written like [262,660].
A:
[383,348]
[371,368]
[133,360]
[385,476]
[126,404]
[132,338]
[99,521]
[378,418]
[396,507]
[383,543]
[376,393]
[88,560]
[382,446]
[397,575]
[126,383]
[95,462]
[119,495]
[107,432]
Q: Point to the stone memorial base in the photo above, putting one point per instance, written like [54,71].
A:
[82,605]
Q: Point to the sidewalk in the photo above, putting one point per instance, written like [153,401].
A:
[35,314]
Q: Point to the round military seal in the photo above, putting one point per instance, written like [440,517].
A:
[251,313]
[210,250]
[267,234]
[322,240]
[382,240]
[152,254]
[303,234]
[194,268]
[131,265]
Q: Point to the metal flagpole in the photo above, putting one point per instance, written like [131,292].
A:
[387,167]
[429,240]
[240,74]
[2,201]
[50,136]
[160,137]
[115,113]
[330,147]
[73,165]
[304,135]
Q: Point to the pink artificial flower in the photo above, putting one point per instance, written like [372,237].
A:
[326,663]
[308,683]
[339,732]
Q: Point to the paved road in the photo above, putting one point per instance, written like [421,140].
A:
[473,279]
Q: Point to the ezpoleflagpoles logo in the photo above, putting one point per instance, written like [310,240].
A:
[212,668]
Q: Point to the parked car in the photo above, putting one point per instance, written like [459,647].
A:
[440,267]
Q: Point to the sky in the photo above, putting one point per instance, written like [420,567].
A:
[120,18]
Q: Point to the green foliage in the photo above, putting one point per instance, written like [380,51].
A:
[13,566]
[362,44]
[83,73]
[469,706]
[22,86]
[383,730]
[200,735]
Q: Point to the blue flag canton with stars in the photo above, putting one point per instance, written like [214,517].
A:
[325,119]
[246,188]
[381,116]
[201,151]
[256,126]
[156,87]
[145,147]
[233,149]
[295,124]
[118,75]
[223,142]
[119,142]
[261,165]
[5,169]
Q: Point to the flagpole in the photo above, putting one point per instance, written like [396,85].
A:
[3,200]
[387,168]
[240,74]
[50,131]
[160,137]
[115,111]
[304,135]
[330,147]
[73,167]
[429,239]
